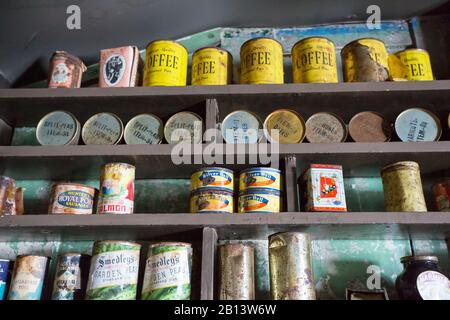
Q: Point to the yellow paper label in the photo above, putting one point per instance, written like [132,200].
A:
[211,67]
[418,64]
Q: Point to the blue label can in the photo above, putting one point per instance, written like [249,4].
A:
[4,268]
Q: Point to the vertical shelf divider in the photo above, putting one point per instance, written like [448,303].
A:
[290,178]
[212,116]
[209,240]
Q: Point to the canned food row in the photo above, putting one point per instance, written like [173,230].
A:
[261,62]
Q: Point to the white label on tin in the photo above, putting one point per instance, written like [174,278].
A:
[56,128]
[26,286]
[416,125]
[145,129]
[102,128]
[60,73]
[113,69]
[241,127]
[327,188]
[433,285]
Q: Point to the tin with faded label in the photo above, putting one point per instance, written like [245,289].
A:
[402,187]
[71,276]
[102,128]
[144,129]
[4,276]
[441,195]
[325,127]
[116,194]
[186,127]
[120,67]
[168,272]
[28,277]
[259,201]
[418,64]
[65,71]
[166,64]
[284,126]
[290,265]
[58,128]
[213,177]
[212,200]
[261,178]
[261,62]
[7,196]
[241,127]
[314,61]
[369,126]
[418,124]
[72,198]
[211,66]
[114,269]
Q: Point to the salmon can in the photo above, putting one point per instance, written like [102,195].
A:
[402,187]
[120,67]
[71,276]
[212,66]
[213,177]
[260,178]
[28,277]
[241,127]
[144,129]
[259,201]
[166,64]
[212,200]
[314,61]
[418,64]
[365,60]
[72,198]
[290,265]
[261,62]
[184,127]
[7,196]
[418,124]
[4,276]
[116,189]
[168,272]
[66,71]
[102,128]
[236,272]
[284,126]
[58,128]
[369,126]
[441,195]
[325,127]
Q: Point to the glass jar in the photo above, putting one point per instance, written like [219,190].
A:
[421,279]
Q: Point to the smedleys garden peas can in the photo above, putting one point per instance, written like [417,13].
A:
[402,187]
[260,178]
[259,201]
[116,189]
[314,60]
[261,62]
[4,271]
[418,64]
[166,64]
[213,177]
[113,274]
[72,198]
[211,66]
[168,272]
[212,200]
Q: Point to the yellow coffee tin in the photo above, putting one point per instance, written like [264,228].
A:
[261,62]
[260,178]
[166,64]
[212,201]
[211,66]
[213,177]
[314,61]
[289,124]
[418,64]
[259,201]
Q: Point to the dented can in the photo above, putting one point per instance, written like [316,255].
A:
[7,196]
[402,187]
[168,272]
[418,64]
[116,189]
[58,128]
[102,128]
[369,126]
[441,195]
[213,177]
[144,129]
[241,127]
[212,200]
[66,71]
[212,66]
[166,64]
[260,178]
[259,201]
[418,124]
[120,67]
[314,61]
[4,276]
[261,62]
[186,127]
[289,124]
[325,127]
[72,198]
[365,60]
[290,265]
[236,272]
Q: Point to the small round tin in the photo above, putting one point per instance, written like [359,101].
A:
[290,126]
[259,201]
[102,128]
[260,178]
[325,127]
[144,129]
[417,124]
[72,198]
[212,200]
[213,177]
[369,126]
[58,128]
[241,127]
[185,127]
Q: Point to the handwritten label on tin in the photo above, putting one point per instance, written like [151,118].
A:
[416,125]
[114,69]
[143,130]
[56,128]
[102,129]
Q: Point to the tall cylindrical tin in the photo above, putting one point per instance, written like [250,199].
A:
[236,272]
[418,124]
[28,277]
[212,66]
[260,201]
[20,207]
[212,200]
[441,194]
[58,128]
[168,272]
[418,64]
[284,126]
[113,274]
[365,60]
[261,62]
[314,61]
[4,272]
[213,177]
[402,187]
[72,198]
[72,270]
[102,128]
[7,196]
[144,129]
[166,64]
[184,127]
[65,71]
[290,265]
[261,178]
[325,127]
[241,127]
[369,126]
[116,189]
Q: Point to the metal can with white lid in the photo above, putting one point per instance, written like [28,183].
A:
[184,126]
[58,128]
[418,124]
[325,127]
[102,128]
[241,127]
[144,129]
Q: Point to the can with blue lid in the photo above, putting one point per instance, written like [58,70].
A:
[242,127]
[418,124]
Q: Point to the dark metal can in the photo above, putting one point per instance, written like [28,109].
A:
[66,71]
[369,126]
[120,67]
[7,196]
[441,194]
[4,271]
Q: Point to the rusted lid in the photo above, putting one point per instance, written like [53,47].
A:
[369,126]
[290,126]
[325,127]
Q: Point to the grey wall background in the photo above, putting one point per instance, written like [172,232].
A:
[30,30]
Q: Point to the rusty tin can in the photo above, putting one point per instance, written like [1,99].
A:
[365,60]
[72,198]
[120,67]
[20,208]
[212,200]
[186,127]
[212,66]
[418,64]
[241,127]
[4,276]
[261,178]
[369,126]
[58,128]
[290,265]
[7,196]
[72,270]
[28,277]
[284,126]
[402,187]
[144,129]
[166,64]
[325,127]
[236,272]
[260,201]
[213,177]
[441,194]
[116,189]
[418,124]
[102,128]
[261,62]
[65,71]
[314,61]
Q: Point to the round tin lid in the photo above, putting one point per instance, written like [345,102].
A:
[144,129]
[369,126]
[290,126]
[184,127]
[241,127]
[325,127]
[57,128]
[418,124]
[102,128]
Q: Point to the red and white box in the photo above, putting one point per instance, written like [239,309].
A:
[120,67]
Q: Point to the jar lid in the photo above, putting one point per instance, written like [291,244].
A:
[400,165]
[418,258]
